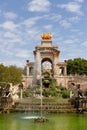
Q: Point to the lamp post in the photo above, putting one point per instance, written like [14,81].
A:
[41,94]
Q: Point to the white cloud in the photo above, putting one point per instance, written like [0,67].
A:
[31,21]
[9,35]
[39,5]
[9,25]
[73,7]
[84,44]
[10,15]
[74,19]
[55,17]
[14,62]
[65,23]
[14,40]
[71,51]
[0,11]
[81,1]
[22,53]
[71,41]
[48,27]
[34,34]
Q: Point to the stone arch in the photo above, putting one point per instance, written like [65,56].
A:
[31,69]
[61,71]
[49,60]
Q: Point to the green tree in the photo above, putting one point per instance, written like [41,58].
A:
[77,66]
[15,75]
[11,74]
[3,72]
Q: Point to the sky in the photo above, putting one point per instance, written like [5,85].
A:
[22,22]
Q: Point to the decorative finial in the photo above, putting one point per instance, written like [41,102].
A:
[27,61]
[46,36]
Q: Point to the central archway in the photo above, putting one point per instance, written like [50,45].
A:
[47,66]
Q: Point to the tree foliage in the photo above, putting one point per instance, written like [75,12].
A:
[77,66]
[10,74]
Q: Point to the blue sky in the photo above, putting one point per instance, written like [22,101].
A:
[23,21]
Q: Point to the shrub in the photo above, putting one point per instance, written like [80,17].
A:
[66,94]
[25,93]
[53,93]
[45,93]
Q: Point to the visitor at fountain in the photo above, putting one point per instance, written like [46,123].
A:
[80,95]
[1,91]
[7,91]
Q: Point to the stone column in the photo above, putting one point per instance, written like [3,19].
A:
[38,65]
[55,63]
[65,71]
[27,68]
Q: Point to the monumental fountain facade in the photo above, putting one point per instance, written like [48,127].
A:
[46,57]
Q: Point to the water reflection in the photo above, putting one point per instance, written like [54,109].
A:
[56,122]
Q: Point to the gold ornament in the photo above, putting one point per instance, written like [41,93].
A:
[46,36]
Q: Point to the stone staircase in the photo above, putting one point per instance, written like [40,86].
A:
[46,107]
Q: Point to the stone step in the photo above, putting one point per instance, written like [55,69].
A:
[48,107]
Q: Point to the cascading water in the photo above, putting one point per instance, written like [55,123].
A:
[37,75]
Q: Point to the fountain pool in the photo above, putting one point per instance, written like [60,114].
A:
[16,121]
